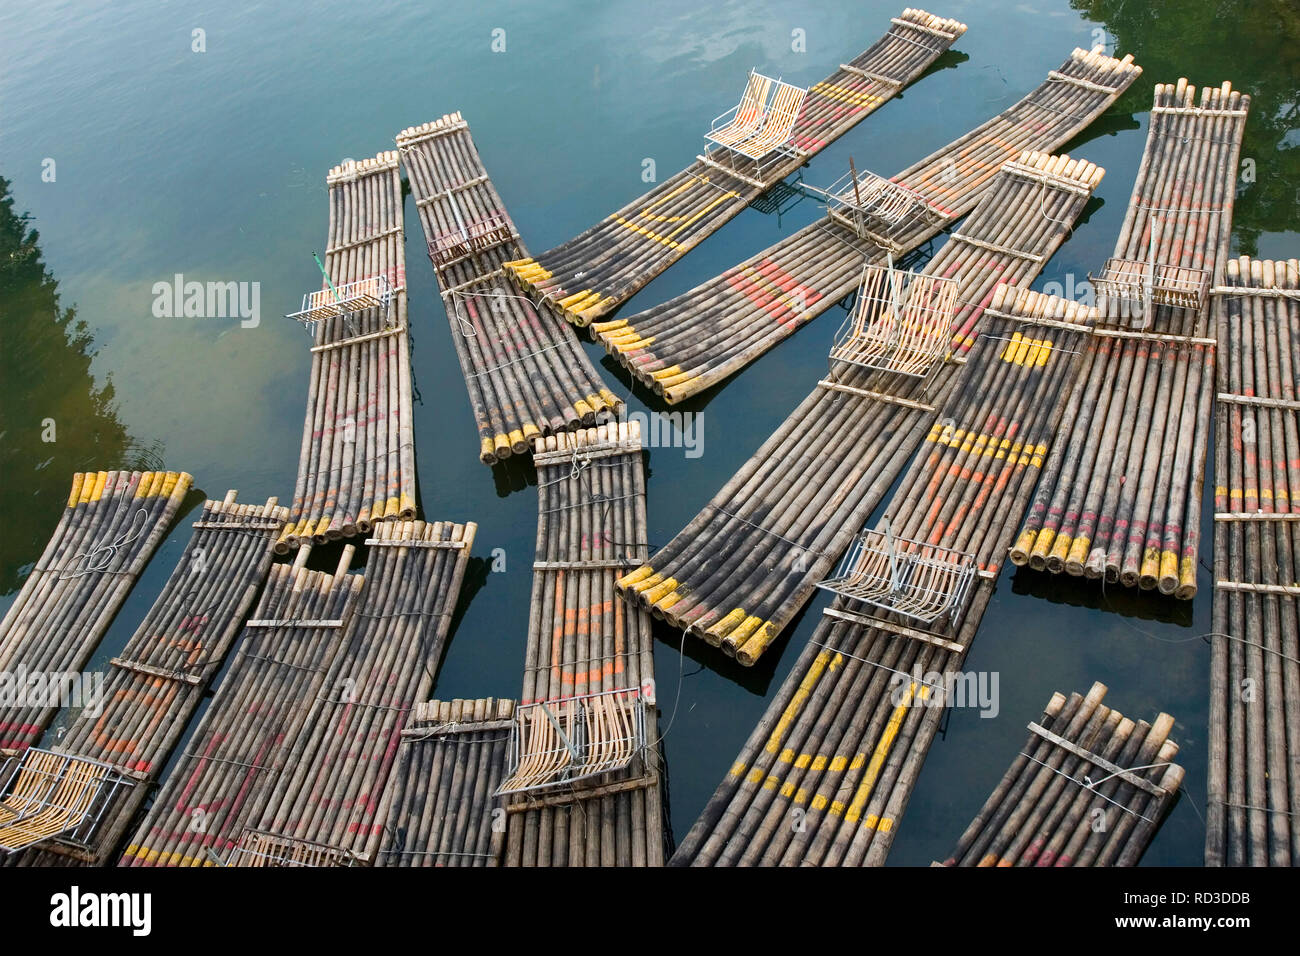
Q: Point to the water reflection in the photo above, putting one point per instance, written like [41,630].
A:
[55,419]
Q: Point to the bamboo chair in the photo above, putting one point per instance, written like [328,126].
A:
[924,582]
[51,795]
[901,323]
[879,209]
[257,848]
[570,739]
[468,238]
[745,119]
[344,300]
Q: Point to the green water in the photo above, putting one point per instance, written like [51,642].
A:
[212,164]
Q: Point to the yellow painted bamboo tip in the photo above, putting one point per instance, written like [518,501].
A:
[681,378]
[1168,570]
[583,409]
[612,400]
[668,600]
[170,481]
[322,526]
[646,583]
[391,507]
[78,479]
[500,443]
[746,627]
[405,503]
[530,431]
[753,648]
[668,372]
[485,450]
[725,626]
[610,326]
[640,574]
[594,401]
[1186,580]
[1020,550]
[569,301]
[518,444]
[95,490]
[1078,554]
[652,595]
[595,303]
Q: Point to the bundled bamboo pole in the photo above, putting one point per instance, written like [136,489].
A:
[1121,499]
[598,270]
[444,810]
[1090,788]
[1253,811]
[583,641]
[826,775]
[705,335]
[526,372]
[112,523]
[743,567]
[331,793]
[357,464]
[238,750]
[154,686]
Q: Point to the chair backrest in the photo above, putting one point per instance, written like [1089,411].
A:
[753,102]
[784,111]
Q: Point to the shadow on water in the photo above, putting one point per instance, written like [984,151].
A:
[1088,593]
[56,419]
[514,474]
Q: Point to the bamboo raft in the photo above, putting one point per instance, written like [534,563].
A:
[742,568]
[588,667]
[826,774]
[331,793]
[112,523]
[592,274]
[699,338]
[155,685]
[357,464]
[1048,810]
[526,373]
[1121,499]
[444,809]
[1253,813]
[241,745]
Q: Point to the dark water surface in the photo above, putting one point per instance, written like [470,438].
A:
[213,165]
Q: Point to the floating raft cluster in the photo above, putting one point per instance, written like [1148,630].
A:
[331,794]
[357,464]
[598,270]
[1121,500]
[701,337]
[112,523]
[525,370]
[1253,813]
[243,741]
[588,653]
[742,568]
[1090,788]
[827,774]
[444,810]
[155,685]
